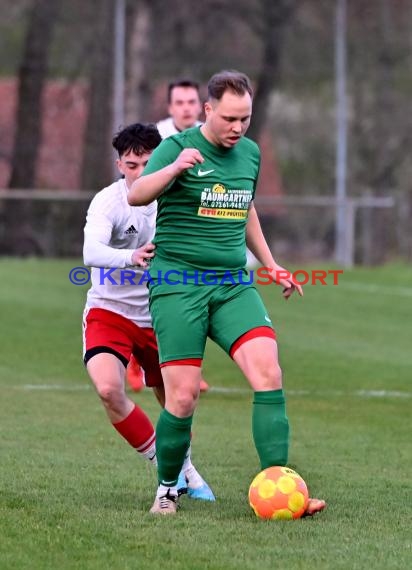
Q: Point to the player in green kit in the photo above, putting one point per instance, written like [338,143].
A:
[204,180]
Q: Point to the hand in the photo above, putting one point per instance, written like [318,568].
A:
[143,254]
[283,277]
[188,158]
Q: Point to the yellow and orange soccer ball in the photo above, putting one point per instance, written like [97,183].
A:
[278,493]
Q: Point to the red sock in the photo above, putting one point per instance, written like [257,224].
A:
[137,430]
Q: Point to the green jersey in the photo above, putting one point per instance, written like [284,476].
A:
[202,215]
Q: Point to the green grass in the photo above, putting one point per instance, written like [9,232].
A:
[74,495]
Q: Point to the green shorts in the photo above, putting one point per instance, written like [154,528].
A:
[184,319]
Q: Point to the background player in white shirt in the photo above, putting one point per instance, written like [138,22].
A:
[184,108]
[117,321]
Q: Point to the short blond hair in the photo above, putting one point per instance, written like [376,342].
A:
[228,80]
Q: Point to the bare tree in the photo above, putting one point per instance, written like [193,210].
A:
[140,36]
[97,156]
[275,16]
[32,75]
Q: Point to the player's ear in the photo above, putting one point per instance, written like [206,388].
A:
[119,165]
[208,108]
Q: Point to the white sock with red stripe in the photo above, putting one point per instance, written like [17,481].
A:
[148,450]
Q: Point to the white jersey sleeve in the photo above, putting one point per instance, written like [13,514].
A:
[113,231]
[102,217]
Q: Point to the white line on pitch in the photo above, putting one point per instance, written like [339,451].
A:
[358,393]
[232,390]
[54,387]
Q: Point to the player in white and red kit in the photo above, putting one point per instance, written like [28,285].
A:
[117,321]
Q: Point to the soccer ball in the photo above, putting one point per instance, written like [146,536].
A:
[278,493]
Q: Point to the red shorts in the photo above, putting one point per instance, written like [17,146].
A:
[105,331]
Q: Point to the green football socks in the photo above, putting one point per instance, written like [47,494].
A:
[270,427]
[172,443]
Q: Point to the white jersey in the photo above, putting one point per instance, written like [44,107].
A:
[113,231]
[167,128]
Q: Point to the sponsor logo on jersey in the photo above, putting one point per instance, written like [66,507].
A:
[221,202]
[201,172]
[131,231]
[222,213]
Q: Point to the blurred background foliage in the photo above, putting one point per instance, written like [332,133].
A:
[286,46]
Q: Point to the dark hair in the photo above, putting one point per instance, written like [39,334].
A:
[138,138]
[180,83]
[228,80]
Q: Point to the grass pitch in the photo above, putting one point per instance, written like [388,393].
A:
[73,495]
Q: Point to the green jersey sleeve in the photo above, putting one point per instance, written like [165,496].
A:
[166,153]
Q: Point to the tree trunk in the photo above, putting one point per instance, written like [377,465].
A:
[138,55]
[98,156]
[276,16]
[32,75]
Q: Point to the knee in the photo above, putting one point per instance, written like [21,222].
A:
[267,378]
[273,377]
[185,402]
[277,376]
[110,394]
